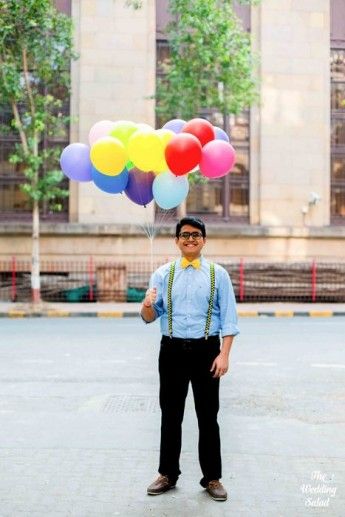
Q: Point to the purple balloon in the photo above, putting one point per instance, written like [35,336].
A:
[75,162]
[220,134]
[139,186]
[176,125]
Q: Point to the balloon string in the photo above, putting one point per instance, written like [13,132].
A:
[151,253]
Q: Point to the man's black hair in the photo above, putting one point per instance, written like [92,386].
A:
[192,221]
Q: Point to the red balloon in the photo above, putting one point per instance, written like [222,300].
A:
[200,128]
[183,153]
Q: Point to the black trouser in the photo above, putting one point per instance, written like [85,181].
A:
[181,361]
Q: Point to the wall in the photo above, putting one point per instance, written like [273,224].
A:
[291,128]
[130,242]
[112,80]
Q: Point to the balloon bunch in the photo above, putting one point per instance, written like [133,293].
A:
[149,164]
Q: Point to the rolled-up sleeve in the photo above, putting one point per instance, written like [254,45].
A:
[227,305]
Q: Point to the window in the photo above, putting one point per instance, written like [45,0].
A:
[338,136]
[14,204]
[337,112]
[162,53]
[226,198]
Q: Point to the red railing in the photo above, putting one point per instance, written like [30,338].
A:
[93,280]
[14,285]
[313,281]
[241,281]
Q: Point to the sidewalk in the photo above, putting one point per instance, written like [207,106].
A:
[124,310]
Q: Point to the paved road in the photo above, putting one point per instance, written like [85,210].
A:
[79,421]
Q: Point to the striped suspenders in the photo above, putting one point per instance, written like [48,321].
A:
[210,304]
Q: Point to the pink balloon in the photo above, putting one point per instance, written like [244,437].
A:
[217,159]
[99,130]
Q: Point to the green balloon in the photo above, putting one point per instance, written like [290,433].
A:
[129,165]
[123,130]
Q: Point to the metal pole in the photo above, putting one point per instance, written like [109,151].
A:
[14,281]
[226,179]
[91,279]
[241,293]
[313,281]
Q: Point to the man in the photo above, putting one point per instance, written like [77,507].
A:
[195,302]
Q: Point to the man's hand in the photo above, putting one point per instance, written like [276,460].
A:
[150,297]
[148,312]
[220,365]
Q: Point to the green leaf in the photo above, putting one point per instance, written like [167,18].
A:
[208,46]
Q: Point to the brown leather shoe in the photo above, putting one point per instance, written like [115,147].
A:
[216,490]
[161,485]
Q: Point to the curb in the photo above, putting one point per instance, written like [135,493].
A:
[67,314]
[290,314]
[119,314]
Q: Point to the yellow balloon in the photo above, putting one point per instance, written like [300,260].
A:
[145,149]
[109,156]
[165,135]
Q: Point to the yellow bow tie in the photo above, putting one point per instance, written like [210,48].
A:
[185,263]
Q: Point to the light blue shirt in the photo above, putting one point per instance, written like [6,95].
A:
[190,300]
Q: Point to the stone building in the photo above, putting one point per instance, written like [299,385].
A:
[285,198]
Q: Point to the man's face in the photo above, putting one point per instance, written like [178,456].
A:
[190,247]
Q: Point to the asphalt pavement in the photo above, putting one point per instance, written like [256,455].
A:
[79,412]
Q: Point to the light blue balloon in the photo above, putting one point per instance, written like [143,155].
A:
[169,190]
[220,134]
[110,184]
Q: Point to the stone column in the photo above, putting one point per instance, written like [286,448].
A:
[112,80]
[292,125]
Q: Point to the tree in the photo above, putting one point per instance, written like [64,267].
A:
[35,53]
[211,65]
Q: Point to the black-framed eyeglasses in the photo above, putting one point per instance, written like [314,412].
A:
[186,235]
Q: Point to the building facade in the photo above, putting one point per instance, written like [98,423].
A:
[285,198]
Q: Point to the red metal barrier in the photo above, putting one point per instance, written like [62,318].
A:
[91,279]
[13,286]
[313,281]
[241,279]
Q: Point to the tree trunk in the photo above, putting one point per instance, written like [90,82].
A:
[35,256]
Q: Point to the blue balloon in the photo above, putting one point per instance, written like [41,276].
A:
[75,162]
[220,134]
[110,184]
[169,190]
